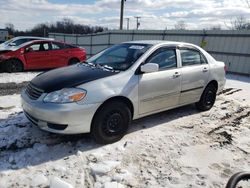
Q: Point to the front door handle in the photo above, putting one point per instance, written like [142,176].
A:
[205,69]
[176,75]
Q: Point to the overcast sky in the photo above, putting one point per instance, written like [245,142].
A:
[156,14]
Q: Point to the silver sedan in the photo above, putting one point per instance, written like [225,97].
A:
[122,83]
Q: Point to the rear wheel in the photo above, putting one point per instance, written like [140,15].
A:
[207,99]
[111,122]
[73,61]
[13,65]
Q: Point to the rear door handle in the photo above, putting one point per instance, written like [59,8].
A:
[205,69]
[176,75]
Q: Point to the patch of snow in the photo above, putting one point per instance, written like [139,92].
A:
[17,77]
[39,180]
[176,148]
[241,83]
[113,185]
[56,182]
[103,167]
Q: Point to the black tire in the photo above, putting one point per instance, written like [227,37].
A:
[13,65]
[207,99]
[110,122]
[73,61]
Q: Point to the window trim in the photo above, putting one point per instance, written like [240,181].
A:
[39,43]
[192,49]
[53,42]
[166,48]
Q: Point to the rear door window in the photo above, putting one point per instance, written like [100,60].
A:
[57,46]
[192,57]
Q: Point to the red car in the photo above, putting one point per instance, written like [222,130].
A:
[40,54]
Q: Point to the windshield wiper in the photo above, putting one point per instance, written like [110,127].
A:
[85,63]
[108,67]
[104,67]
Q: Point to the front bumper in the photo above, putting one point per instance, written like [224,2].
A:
[70,118]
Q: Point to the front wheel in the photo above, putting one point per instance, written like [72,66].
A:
[73,61]
[13,65]
[207,99]
[111,122]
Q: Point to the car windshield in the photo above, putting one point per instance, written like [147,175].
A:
[119,57]
[7,42]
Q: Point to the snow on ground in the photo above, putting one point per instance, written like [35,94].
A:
[242,83]
[17,77]
[176,148]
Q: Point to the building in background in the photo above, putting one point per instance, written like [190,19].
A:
[3,35]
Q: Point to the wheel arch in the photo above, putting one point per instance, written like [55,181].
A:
[126,100]
[18,59]
[73,58]
[214,83]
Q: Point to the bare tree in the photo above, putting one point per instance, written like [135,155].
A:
[10,27]
[216,27]
[181,25]
[240,23]
[248,3]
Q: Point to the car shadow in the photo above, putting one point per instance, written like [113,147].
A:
[162,117]
[23,144]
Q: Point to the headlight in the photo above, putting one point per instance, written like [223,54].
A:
[66,95]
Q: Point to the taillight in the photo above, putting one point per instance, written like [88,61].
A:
[225,68]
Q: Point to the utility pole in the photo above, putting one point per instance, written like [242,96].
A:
[127,23]
[137,22]
[121,14]
[44,32]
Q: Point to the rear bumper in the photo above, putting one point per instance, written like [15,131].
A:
[221,85]
[71,118]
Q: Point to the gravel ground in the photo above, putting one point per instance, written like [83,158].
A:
[12,88]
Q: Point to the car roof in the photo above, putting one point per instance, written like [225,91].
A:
[156,42]
[31,37]
[35,41]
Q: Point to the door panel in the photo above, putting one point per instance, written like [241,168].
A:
[59,55]
[37,60]
[158,90]
[37,56]
[195,73]
[192,83]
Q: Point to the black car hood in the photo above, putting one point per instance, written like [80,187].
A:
[70,76]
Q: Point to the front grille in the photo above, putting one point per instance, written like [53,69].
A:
[57,126]
[33,92]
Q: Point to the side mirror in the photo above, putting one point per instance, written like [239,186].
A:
[150,67]
[29,49]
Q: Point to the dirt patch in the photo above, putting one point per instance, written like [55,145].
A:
[227,138]
[232,119]
[225,91]
[229,91]
[12,88]
[232,92]
[237,121]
